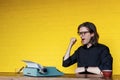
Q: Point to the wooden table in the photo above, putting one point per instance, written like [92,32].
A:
[15,76]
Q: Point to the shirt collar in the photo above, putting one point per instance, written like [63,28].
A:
[85,46]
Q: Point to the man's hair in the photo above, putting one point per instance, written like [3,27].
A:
[92,29]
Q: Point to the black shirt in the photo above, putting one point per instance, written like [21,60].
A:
[96,56]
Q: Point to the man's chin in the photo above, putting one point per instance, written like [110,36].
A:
[84,43]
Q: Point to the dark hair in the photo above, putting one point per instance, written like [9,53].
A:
[92,29]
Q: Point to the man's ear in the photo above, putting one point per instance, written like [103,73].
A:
[92,34]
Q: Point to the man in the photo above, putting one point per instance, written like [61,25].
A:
[91,57]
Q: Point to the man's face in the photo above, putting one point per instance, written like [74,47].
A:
[85,35]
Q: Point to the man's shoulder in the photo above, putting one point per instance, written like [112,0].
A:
[102,45]
[80,47]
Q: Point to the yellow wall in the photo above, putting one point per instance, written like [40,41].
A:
[39,30]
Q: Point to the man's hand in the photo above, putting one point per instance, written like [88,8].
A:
[94,70]
[72,41]
[80,69]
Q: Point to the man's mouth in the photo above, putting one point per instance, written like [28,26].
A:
[83,39]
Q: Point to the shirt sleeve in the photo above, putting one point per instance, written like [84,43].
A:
[106,60]
[71,60]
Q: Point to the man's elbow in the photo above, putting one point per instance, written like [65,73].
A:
[65,65]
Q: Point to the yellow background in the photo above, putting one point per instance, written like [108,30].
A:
[40,30]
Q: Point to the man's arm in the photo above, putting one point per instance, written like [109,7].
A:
[67,55]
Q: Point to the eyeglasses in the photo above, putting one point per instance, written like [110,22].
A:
[83,33]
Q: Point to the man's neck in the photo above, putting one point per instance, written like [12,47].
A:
[89,45]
